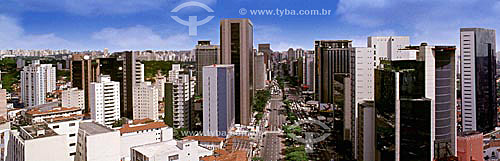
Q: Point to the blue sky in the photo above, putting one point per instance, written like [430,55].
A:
[146,24]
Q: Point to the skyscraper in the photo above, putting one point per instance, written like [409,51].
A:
[332,65]
[362,86]
[260,71]
[36,80]
[84,70]
[236,37]
[133,72]
[218,96]
[418,98]
[479,104]
[206,54]
[105,100]
[266,49]
[387,48]
[439,72]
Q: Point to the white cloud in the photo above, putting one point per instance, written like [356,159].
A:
[436,22]
[141,37]
[12,36]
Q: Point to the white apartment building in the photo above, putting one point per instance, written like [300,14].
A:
[67,126]
[37,115]
[36,80]
[183,85]
[105,101]
[142,133]
[37,142]
[362,85]
[387,48]
[218,99]
[73,97]
[145,101]
[160,85]
[169,150]
[97,142]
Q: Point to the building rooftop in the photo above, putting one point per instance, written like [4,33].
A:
[166,148]
[222,155]
[93,128]
[204,138]
[37,131]
[64,118]
[39,111]
[127,128]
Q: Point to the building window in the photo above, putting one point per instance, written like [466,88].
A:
[72,154]
[72,144]
[55,127]
[72,124]
[72,135]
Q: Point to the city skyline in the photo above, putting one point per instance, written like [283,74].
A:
[78,25]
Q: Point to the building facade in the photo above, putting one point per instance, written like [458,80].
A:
[73,97]
[236,36]
[332,65]
[96,142]
[478,68]
[218,100]
[362,86]
[181,85]
[145,101]
[105,101]
[37,80]
[206,54]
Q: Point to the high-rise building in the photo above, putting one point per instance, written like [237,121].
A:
[206,54]
[260,71]
[362,87]
[179,94]
[440,87]
[97,142]
[236,36]
[145,101]
[218,99]
[417,95]
[84,70]
[160,85]
[73,97]
[266,49]
[37,80]
[478,68]
[133,72]
[403,115]
[387,48]
[308,70]
[105,100]
[290,54]
[332,66]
